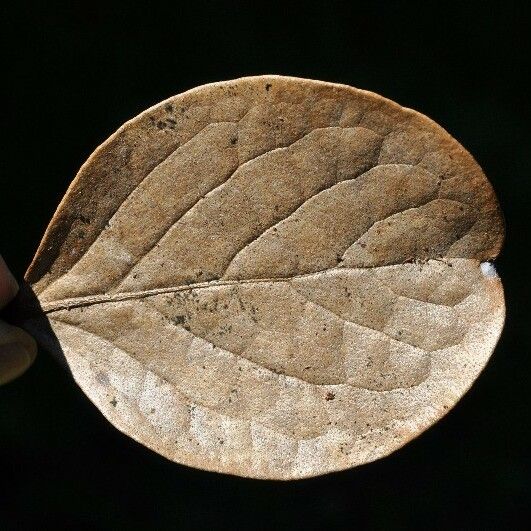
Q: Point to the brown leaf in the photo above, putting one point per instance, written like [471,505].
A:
[273,277]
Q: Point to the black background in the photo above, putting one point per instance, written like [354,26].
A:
[74,73]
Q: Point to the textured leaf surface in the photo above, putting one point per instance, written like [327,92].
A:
[273,277]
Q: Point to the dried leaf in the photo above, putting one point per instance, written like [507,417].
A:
[273,277]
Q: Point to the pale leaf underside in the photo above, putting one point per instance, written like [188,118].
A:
[274,277]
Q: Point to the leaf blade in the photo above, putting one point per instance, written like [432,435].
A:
[286,282]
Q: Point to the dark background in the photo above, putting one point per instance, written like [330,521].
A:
[74,74]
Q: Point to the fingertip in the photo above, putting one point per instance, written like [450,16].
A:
[8,284]
[18,351]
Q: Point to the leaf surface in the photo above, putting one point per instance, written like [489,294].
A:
[273,277]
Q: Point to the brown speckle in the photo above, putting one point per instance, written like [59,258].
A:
[179,319]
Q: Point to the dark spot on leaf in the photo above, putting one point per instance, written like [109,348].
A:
[101,377]
[179,319]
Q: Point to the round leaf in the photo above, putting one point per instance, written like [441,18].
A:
[273,277]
